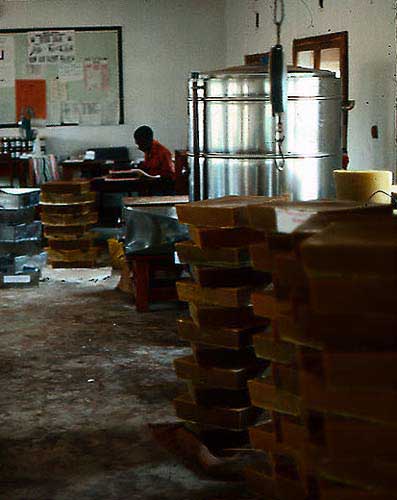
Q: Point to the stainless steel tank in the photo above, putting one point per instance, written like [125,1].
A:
[231,134]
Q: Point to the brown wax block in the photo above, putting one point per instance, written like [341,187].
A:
[228,338]
[368,404]
[286,378]
[230,418]
[341,331]
[59,264]
[365,472]
[67,198]
[229,211]
[83,244]
[261,482]
[263,437]
[217,438]
[353,248]
[205,237]
[289,217]
[219,277]
[222,317]
[88,218]
[357,294]
[72,255]
[216,257]
[332,490]
[65,232]
[360,369]
[226,377]
[289,276]
[76,209]
[207,396]
[215,356]
[265,394]
[189,291]
[267,348]
[66,187]
[267,305]
[337,437]
[292,431]
[262,258]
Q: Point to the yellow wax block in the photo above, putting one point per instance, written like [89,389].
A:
[361,184]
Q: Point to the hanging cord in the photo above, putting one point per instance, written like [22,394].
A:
[278,19]
[393,198]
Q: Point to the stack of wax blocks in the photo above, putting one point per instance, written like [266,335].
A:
[68,212]
[319,304]
[221,324]
[21,258]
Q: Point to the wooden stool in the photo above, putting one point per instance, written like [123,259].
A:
[145,287]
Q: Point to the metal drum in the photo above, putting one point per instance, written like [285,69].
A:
[231,134]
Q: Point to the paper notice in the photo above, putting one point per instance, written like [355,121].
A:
[7,61]
[90,113]
[54,113]
[70,112]
[51,47]
[71,72]
[58,90]
[96,74]
[110,113]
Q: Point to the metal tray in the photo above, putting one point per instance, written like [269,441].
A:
[20,232]
[24,247]
[20,280]
[12,198]
[17,216]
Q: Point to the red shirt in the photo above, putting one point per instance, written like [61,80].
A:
[158,161]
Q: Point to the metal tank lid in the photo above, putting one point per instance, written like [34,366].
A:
[261,69]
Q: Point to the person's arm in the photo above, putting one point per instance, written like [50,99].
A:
[166,166]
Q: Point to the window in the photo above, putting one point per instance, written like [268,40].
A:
[329,52]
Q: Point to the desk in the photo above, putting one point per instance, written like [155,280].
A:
[89,168]
[16,168]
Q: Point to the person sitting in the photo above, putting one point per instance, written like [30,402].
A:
[158,159]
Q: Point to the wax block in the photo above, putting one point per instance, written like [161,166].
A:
[226,377]
[262,258]
[216,257]
[265,394]
[83,244]
[189,291]
[206,396]
[223,317]
[205,237]
[66,198]
[218,277]
[229,211]
[361,185]
[230,418]
[215,356]
[79,186]
[267,348]
[289,217]
[229,338]
[85,219]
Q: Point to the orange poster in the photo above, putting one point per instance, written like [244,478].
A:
[30,95]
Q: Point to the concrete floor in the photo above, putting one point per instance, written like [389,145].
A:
[82,375]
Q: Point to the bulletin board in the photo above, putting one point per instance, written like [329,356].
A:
[61,76]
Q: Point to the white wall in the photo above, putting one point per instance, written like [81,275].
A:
[372,48]
[163,41]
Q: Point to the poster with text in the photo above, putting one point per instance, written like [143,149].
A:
[96,74]
[51,47]
[7,61]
